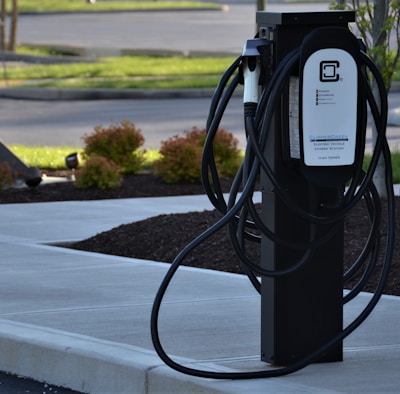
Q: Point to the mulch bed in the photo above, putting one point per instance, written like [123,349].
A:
[161,238]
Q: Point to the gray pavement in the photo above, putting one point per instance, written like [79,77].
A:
[81,320]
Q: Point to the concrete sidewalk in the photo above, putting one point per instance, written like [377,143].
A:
[81,320]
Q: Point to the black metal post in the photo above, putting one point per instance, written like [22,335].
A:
[302,311]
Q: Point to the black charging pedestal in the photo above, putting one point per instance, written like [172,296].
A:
[302,311]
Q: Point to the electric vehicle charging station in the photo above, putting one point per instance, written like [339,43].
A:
[302,311]
[307,95]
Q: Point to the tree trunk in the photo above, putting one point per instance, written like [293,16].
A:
[3,16]
[379,176]
[378,23]
[379,40]
[12,43]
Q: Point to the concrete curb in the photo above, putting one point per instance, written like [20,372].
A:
[221,7]
[100,94]
[65,359]
[79,54]
[109,94]
[88,364]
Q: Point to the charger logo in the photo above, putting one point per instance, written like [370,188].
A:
[328,71]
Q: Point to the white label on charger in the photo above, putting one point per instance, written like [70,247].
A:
[329,108]
[294,133]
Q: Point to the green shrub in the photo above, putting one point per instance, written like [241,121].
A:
[99,172]
[181,156]
[7,177]
[118,143]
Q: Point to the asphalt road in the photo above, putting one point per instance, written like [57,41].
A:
[55,123]
[181,31]
[64,123]
[11,384]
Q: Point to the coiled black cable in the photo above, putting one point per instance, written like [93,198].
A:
[240,214]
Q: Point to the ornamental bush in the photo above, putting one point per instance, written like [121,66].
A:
[119,143]
[181,156]
[99,172]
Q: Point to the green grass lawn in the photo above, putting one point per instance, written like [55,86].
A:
[82,5]
[53,158]
[396,167]
[141,72]
[44,157]
[120,72]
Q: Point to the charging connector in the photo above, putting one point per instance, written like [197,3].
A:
[251,68]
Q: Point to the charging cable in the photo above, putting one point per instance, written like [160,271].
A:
[240,214]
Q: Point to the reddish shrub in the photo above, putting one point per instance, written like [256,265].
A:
[119,143]
[181,156]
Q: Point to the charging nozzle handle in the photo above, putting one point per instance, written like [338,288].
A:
[251,75]
[252,69]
